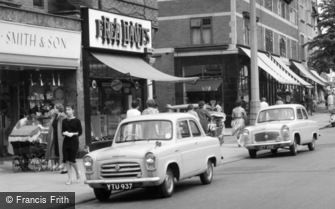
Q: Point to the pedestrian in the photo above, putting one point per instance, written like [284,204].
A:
[279,101]
[55,139]
[263,103]
[330,101]
[133,112]
[214,106]
[151,108]
[71,129]
[190,109]
[309,104]
[238,123]
[204,116]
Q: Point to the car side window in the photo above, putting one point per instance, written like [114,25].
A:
[182,129]
[194,128]
[305,114]
[299,114]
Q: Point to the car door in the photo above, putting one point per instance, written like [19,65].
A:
[187,147]
[301,126]
[309,127]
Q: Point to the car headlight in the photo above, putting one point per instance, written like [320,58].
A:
[150,161]
[88,163]
[285,132]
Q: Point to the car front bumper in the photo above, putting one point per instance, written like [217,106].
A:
[272,145]
[140,182]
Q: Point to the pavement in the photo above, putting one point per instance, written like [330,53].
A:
[46,181]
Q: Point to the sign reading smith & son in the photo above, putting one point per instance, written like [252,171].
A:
[117,32]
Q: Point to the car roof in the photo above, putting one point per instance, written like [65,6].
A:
[160,116]
[284,106]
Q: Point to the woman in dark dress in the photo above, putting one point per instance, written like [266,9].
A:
[71,129]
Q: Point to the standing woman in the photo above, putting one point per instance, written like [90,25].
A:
[238,123]
[71,129]
[56,138]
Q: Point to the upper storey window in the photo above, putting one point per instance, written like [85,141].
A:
[201,30]
[38,3]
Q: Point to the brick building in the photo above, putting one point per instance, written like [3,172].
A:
[210,39]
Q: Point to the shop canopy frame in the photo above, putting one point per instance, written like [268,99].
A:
[137,67]
[266,64]
[306,73]
[295,76]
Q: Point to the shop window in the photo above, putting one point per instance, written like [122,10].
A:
[282,47]
[268,4]
[201,30]
[243,85]
[38,3]
[203,71]
[268,40]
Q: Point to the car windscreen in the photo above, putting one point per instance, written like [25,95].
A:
[279,114]
[144,130]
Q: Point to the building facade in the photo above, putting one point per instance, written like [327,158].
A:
[211,39]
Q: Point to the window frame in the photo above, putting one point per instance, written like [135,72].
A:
[302,115]
[285,44]
[201,28]
[265,42]
[180,136]
[38,3]
[196,125]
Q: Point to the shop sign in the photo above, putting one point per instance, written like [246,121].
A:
[116,32]
[16,38]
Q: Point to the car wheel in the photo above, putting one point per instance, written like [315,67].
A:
[333,124]
[294,148]
[167,187]
[102,194]
[252,153]
[207,176]
[311,146]
[274,151]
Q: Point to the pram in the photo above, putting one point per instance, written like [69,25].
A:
[29,149]
[216,126]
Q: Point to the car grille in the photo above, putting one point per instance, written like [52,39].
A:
[266,136]
[120,170]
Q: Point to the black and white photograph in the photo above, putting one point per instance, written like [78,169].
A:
[146,104]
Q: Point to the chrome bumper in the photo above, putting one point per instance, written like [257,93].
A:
[268,145]
[123,180]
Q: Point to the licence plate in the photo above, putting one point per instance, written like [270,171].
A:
[267,147]
[123,186]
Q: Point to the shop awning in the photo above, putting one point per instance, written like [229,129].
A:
[266,64]
[137,67]
[38,61]
[306,73]
[295,76]
[204,85]
[318,76]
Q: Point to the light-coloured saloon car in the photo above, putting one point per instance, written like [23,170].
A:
[280,126]
[153,151]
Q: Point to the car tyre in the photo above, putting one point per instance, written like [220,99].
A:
[207,176]
[274,151]
[167,187]
[311,146]
[102,194]
[252,153]
[333,124]
[294,148]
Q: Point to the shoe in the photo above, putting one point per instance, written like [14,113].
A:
[63,172]
[68,182]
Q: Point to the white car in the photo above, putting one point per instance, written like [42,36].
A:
[280,126]
[153,151]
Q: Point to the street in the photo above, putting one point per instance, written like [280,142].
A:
[269,181]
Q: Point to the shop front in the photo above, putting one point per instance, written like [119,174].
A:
[38,67]
[116,59]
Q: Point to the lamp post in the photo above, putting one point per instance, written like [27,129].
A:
[254,76]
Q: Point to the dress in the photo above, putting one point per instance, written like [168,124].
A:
[238,122]
[71,144]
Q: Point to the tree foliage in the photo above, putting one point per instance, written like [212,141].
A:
[323,45]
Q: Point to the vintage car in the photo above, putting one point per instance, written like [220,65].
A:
[280,126]
[153,151]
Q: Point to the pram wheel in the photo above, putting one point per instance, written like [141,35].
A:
[16,165]
[35,164]
[44,164]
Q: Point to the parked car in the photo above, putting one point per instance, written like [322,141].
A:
[153,151]
[280,126]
